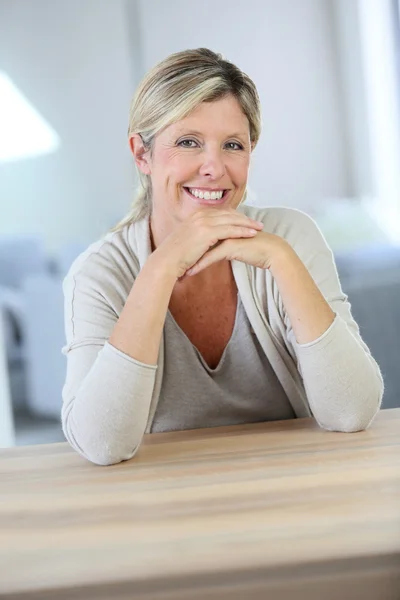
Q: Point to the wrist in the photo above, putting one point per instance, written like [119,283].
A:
[163,266]
[282,258]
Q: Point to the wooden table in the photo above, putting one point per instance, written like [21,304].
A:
[272,510]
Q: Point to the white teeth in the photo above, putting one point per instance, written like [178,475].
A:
[206,195]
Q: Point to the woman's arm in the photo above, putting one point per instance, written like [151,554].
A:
[309,313]
[343,382]
[138,330]
[109,384]
[114,330]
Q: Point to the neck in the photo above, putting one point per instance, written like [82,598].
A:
[160,228]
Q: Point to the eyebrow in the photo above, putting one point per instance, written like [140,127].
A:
[199,133]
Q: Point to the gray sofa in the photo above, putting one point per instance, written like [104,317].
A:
[370,276]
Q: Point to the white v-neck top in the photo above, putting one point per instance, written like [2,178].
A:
[243,388]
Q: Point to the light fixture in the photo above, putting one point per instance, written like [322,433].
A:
[24,133]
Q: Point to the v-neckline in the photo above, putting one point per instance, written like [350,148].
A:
[222,359]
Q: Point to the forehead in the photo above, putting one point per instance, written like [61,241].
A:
[224,116]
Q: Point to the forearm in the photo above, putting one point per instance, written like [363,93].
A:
[104,417]
[108,390]
[307,309]
[342,381]
[139,328]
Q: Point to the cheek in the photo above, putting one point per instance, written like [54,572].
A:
[175,165]
[239,170]
[181,168]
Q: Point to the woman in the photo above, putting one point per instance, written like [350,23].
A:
[197,311]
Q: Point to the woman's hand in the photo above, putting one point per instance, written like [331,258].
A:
[203,230]
[259,251]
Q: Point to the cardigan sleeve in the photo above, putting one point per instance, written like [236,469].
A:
[107,394]
[343,382]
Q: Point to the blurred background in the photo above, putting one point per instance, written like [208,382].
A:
[328,74]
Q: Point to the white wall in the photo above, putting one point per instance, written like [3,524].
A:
[78,61]
[73,61]
[288,48]
[381,60]
[353,74]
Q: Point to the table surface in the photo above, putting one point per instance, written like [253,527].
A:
[199,506]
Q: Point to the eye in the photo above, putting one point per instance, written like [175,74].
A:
[189,143]
[234,146]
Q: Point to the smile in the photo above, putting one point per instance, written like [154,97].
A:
[212,196]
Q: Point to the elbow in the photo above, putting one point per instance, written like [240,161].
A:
[354,423]
[107,458]
[100,444]
[106,455]
[355,411]
[352,419]
[98,449]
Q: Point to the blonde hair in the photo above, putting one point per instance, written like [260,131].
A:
[173,89]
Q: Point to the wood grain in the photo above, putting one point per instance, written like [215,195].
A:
[239,512]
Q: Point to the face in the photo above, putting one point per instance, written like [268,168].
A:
[201,161]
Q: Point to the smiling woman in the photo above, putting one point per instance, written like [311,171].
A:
[196,310]
[193,102]
[204,155]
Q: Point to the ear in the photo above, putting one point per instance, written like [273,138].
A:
[140,154]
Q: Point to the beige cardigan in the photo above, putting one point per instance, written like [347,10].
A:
[110,399]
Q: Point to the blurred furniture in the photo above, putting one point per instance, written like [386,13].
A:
[370,276]
[20,256]
[44,334]
[31,301]
[7,434]
[44,339]
[267,510]
[66,256]
[13,309]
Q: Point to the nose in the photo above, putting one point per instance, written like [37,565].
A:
[213,165]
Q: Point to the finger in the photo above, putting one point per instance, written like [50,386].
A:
[235,231]
[237,219]
[224,217]
[221,252]
[221,234]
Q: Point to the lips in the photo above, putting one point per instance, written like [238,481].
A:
[212,202]
[207,194]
